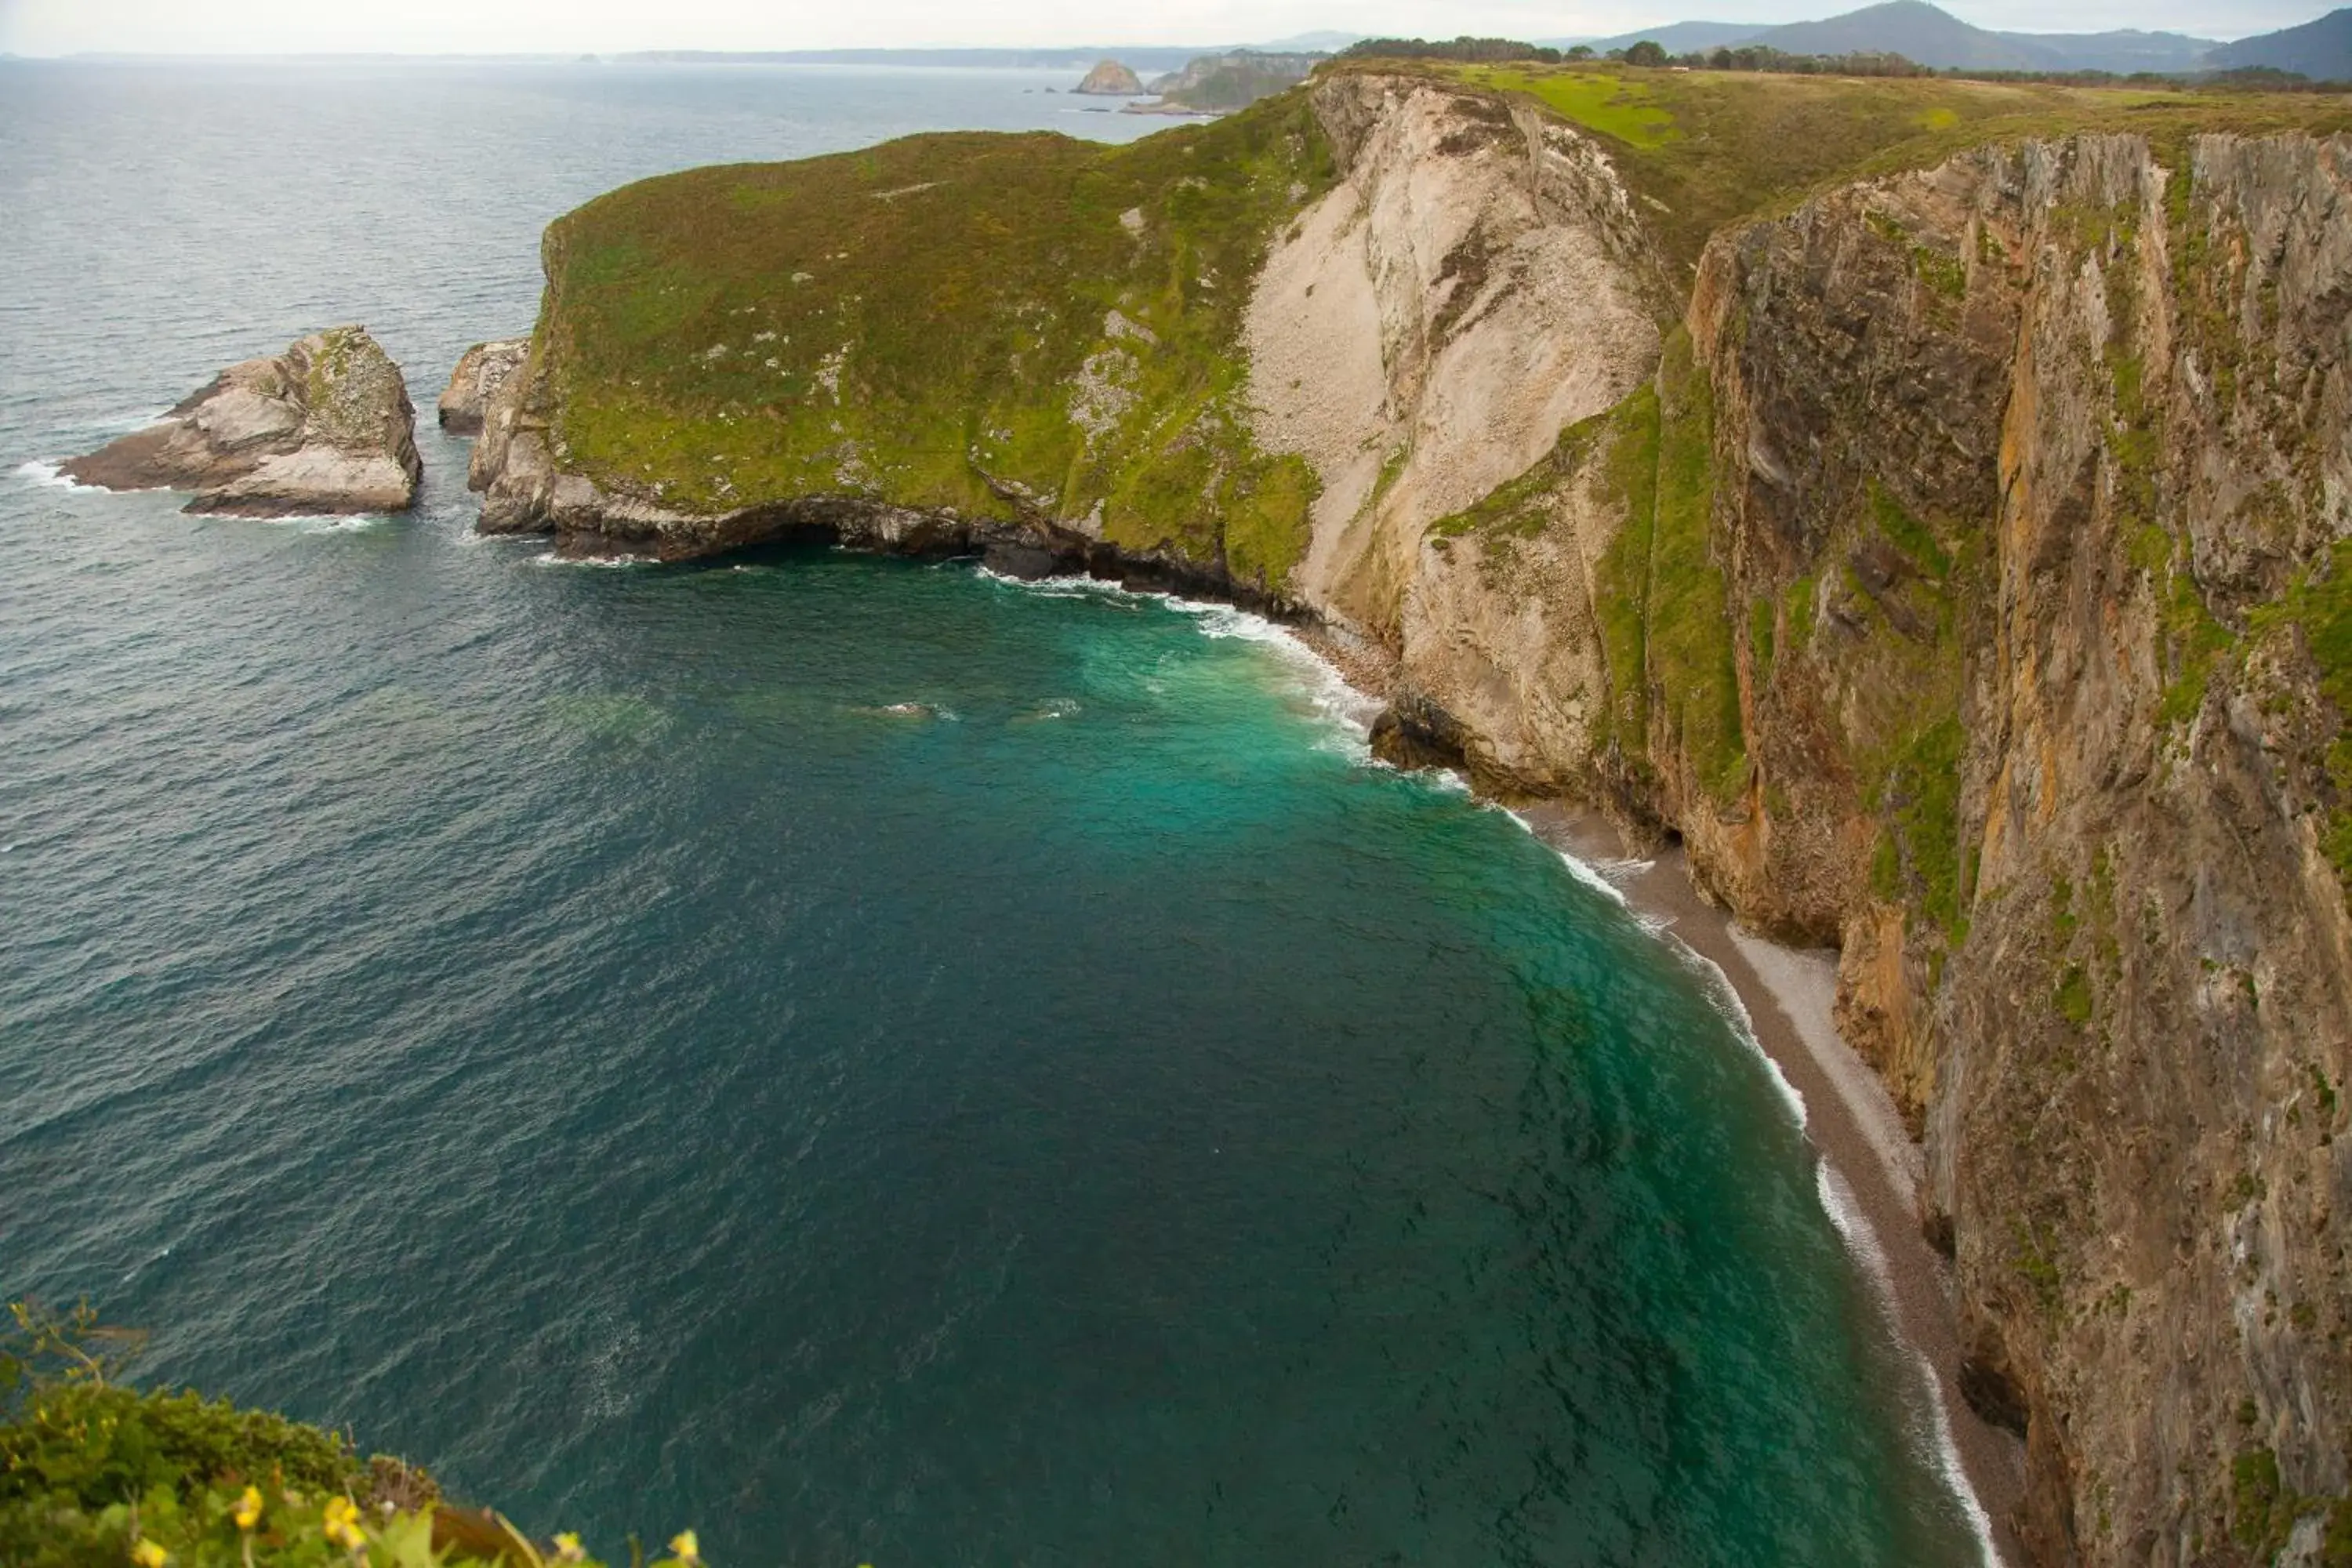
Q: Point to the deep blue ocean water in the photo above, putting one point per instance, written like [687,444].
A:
[871,1061]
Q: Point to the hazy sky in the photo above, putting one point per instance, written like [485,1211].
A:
[231,27]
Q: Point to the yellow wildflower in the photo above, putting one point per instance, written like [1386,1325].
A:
[147,1555]
[340,1524]
[568,1548]
[249,1509]
[688,1547]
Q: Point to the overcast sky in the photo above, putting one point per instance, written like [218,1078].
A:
[493,26]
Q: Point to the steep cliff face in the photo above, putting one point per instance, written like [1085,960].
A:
[1953,564]
[2030,471]
[1474,284]
[1991,625]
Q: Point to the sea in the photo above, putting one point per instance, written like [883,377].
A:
[872,1062]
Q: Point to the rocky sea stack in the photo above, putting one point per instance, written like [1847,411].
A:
[1112,80]
[480,372]
[325,427]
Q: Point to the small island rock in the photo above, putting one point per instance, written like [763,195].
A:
[325,427]
[1112,80]
[482,369]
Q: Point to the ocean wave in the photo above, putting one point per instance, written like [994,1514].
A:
[1583,870]
[1932,1434]
[49,475]
[353,522]
[1724,996]
[1347,711]
[551,558]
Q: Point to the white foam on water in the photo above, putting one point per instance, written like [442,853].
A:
[1347,711]
[1583,870]
[351,523]
[1938,1446]
[550,558]
[49,475]
[1726,1001]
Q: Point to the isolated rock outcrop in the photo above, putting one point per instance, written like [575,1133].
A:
[1111,79]
[325,427]
[480,372]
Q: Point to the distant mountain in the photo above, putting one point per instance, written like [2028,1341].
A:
[1143,57]
[1218,83]
[1676,37]
[1326,42]
[2120,52]
[1912,28]
[1922,32]
[2321,50]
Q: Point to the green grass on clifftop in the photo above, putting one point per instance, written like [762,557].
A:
[1704,148]
[947,320]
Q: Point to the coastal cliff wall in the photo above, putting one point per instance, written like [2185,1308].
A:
[1951,563]
[1965,590]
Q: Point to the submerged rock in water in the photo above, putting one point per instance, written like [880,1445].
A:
[480,372]
[325,427]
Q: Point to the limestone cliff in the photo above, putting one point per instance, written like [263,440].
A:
[1950,562]
[1980,615]
[325,427]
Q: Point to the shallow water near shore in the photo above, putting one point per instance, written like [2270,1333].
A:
[874,1062]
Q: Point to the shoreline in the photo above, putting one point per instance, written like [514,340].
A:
[1871,1166]
[1870,1169]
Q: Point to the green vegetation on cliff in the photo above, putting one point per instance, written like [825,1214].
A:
[95,1475]
[1705,148]
[1008,326]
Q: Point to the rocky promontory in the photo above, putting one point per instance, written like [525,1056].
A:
[480,372]
[325,427]
[1111,79]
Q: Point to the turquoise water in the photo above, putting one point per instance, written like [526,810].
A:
[874,1062]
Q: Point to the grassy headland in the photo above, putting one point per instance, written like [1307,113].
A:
[999,324]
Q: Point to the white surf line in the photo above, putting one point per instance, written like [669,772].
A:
[50,475]
[1940,1449]
[1330,693]
[1725,997]
[1831,1189]
[1579,868]
[601,562]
